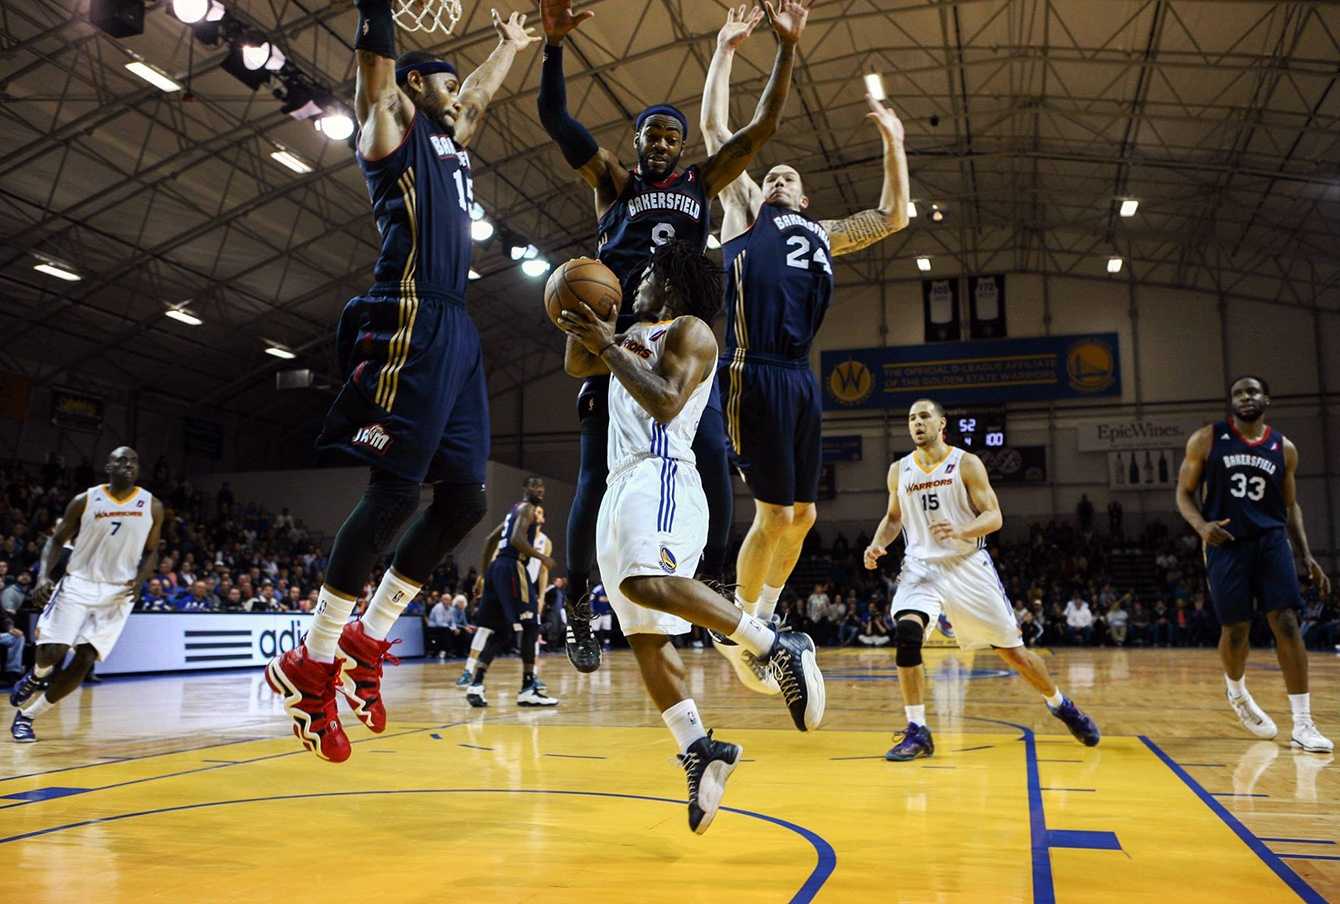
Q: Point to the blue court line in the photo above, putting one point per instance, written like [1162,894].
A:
[1309,857]
[44,793]
[1296,840]
[1268,857]
[1070,789]
[1092,841]
[474,746]
[1059,761]
[1207,765]
[826,856]
[967,749]
[577,756]
[143,756]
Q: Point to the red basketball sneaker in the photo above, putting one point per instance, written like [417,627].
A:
[308,689]
[361,674]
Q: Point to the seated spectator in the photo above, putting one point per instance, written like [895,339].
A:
[293,599]
[1079,621]
[1160,627]
[1118,620]
[1138,636]
[1204,626]
[816,611]
[1180,621]
[153,599]
[265,601]
[437,630]
[233,602]
[458,623]
[196,599]
[1027,629]
[12,643]
[15,595]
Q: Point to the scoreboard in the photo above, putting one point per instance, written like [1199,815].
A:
[976,427]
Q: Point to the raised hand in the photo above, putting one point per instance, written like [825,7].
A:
[558,19]
[788,19]
[873,554]
[889,125]
[514,30]
[740,23]
[587,328]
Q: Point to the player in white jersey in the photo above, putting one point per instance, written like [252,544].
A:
[653,519]
[941,499]
[115,529]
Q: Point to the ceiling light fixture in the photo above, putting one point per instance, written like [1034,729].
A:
[1129,206]
[482,231]
[153,75]
[278,351]
[874,85]
[336,126]
[58,269]
[1114,265]
[924,264]
[290,160]
[190,11]
[182,315]
[911,210]
[474,274]
[534,267]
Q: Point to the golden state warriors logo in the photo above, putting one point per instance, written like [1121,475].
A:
[668,561]
[1090,365]
[851,382]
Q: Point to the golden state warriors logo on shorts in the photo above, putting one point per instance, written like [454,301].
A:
[668,561]
[1091,365]
[851,382]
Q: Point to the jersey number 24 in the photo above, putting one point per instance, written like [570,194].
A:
[800,249]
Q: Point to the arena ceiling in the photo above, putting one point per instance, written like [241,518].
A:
[1027,121]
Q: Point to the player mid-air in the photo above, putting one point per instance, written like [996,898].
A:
[779,281]
[941,499]
[653,518]
[414,407]
[1247,512]
[510,598]
[637,210]
[115,528]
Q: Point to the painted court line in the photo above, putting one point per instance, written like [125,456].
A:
[1309,857]
[1269,857]
[825,855]
[1296,840]
[577,756]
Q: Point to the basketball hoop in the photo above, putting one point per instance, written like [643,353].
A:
[427,15]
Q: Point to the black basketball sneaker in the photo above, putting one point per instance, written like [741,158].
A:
[707,764]
[796,669]
[583,647]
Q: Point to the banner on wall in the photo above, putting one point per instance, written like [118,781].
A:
[76,410]
[939,298]
[965,373]
[1158,432]
[986,303]
[1143,469]
[842,448]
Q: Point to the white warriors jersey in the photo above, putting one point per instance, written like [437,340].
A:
[112,533]
[930,496]
[542,545]
[633,433]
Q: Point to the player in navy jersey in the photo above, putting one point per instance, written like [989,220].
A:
[637,210]
[1247,512]
[779,283]
[414,406]
[509,598]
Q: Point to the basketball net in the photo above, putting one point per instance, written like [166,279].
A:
[427,15]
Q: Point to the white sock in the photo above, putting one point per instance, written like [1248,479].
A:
[1236,688]
[747,605]
[36,706]
[684,723]
[43,671]
[394,593]
[754,635]
[1056,700]
[916,714]
[477,647]
[1301,704]
[767,602]
[332,611]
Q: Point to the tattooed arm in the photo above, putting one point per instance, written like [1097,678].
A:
[861,230]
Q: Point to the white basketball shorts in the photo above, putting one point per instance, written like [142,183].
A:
[653,521]
[969,592]
[84,611]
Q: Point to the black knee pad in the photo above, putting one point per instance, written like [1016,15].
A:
[908,635]
[457,507]
[388,503]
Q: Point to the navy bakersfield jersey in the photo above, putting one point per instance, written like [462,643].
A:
[1244,482]
[648,214]
[779,282]
[421,196]
[505,547]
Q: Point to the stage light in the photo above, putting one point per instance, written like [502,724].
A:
[336,126]
[1114,265]
[937,214]
[153,75]
[190,11]
[182,315]
[476,211]
[874,85]
[1129,207]
[924,264]
[528,252]
[255,56]
[482,231]
[234,64]
[290,160]
[535,267]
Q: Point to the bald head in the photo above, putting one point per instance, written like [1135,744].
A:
[783,187]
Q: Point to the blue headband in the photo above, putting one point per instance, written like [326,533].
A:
[664,110]
[429,67]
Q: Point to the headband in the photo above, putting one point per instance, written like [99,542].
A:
[664,110]
[428,67]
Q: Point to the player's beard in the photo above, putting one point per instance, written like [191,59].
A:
[669,167]
[1250,415]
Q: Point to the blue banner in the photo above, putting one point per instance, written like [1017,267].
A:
[842,448]
[963,373]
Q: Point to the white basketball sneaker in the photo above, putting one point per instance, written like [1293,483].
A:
[1252,717]
[752,671]
[1306,736]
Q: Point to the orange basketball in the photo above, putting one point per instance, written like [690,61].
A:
[582,280]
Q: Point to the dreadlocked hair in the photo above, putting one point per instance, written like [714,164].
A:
[694,280]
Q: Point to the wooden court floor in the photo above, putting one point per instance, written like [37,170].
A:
[190,789]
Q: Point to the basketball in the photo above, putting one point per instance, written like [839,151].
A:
[582,280]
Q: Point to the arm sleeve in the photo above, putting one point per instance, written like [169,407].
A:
[572,137]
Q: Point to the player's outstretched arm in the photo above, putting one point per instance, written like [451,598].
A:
[479,88]
[598,167]
[984,502]
[148,558]
[64,533]
[1297,532]
[741,199]
[890,526]
[384,111]
[1188,482]
[861,230]
[726,165]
